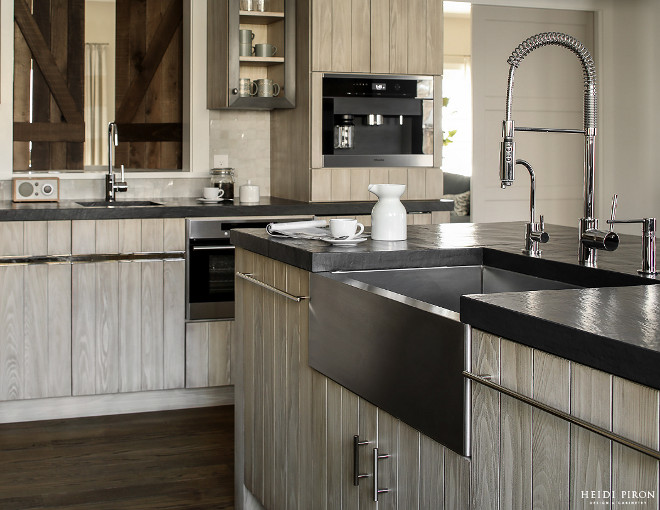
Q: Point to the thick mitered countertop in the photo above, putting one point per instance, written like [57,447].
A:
[191,207]
[613,324]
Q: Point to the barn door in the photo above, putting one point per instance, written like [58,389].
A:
[149,83]
[48,39]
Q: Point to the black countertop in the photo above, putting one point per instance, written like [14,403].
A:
[191,207]
[613,325]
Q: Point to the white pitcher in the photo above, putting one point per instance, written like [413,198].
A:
[388,217]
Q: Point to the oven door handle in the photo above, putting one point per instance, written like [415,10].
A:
[218,247]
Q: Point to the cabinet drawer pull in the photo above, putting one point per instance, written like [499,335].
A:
[485,380]
[249,278]
[356,460]
[378,457]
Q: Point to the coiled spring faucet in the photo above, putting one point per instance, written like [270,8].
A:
[590,238]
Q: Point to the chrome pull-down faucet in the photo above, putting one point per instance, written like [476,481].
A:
[534,232]
[112,186]
[590,238]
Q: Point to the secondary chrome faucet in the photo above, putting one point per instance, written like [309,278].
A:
[590,238]
[534,232]
[112,186]
[648,240]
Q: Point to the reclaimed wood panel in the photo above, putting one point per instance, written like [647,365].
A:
[399,35]
[107,236]
[152,235]
[35,331]
[322,29]
[21,97]
[219,355]
[319,446]
[258,394]
[130,236]
[245,263]
[591,400]
[174,234]
[457,481]
[408,467]
[634,416]
[152,325]
[59,238]
[380,36]
[197,354]
[268,277]
[280,389]
[106,327]
[432,484]
[295,338]
[516,427]
[83,237]
[485,467]
[130,330]
[59,329]
[388,443]
[11,238]
[35,238]
[336,445]
[342,34]
[360,36]
[174,328]
[83,326]
[434,38]
[550,435]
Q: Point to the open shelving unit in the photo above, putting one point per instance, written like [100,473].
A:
[225,67]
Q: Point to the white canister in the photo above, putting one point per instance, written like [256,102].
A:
[388,217]
[248,193]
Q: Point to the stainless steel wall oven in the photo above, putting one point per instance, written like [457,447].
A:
[210,264]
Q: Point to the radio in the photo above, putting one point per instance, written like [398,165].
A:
[36,189]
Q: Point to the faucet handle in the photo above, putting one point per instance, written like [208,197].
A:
[615,197]
[542,222]
[122,175]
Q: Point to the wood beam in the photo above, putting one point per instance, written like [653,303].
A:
[157,48]
[48,132]
[44,59]
[151,132]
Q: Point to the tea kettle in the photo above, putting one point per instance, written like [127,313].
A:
[388,217]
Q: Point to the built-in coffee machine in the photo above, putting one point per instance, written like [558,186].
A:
[377,120]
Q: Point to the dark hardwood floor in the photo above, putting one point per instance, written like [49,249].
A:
[164,460]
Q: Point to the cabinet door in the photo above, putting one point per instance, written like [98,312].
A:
[208,353]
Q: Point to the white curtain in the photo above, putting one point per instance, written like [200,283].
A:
[96,108]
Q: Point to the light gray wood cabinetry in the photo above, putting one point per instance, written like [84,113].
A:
[381,36]
[523,457]
[208,353]
[299,425]
[35,312]
[128,315]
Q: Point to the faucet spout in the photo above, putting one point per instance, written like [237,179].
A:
[534,232]
[586,251]
[112,186]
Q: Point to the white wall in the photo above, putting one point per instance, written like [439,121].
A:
[630,132]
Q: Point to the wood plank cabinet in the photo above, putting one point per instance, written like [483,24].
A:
[226,65]
[128,328]
[208,353]
[523,457]
[35,312]
[299,425]
[377,36]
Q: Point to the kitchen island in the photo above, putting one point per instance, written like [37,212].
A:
[590,352]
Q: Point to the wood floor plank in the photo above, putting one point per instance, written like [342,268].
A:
[173,459]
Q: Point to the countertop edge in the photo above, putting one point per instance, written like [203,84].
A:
[578,345]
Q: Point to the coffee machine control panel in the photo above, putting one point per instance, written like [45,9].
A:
[373,86]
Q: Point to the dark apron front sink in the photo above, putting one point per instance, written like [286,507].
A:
[394,337]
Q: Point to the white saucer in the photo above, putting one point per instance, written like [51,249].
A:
[211,200]
[344,242]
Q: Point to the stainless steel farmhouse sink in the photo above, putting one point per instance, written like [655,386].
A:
[118,203]
[394,337]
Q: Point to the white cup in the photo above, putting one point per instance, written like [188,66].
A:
[213,193]
[345,227]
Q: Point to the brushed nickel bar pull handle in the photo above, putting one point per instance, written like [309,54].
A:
[249,278]
[565,416]
[356,460]
[378,457]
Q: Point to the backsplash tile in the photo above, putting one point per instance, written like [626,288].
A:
[245,137]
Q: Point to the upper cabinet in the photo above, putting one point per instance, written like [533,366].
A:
[377,36]
[252,47]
